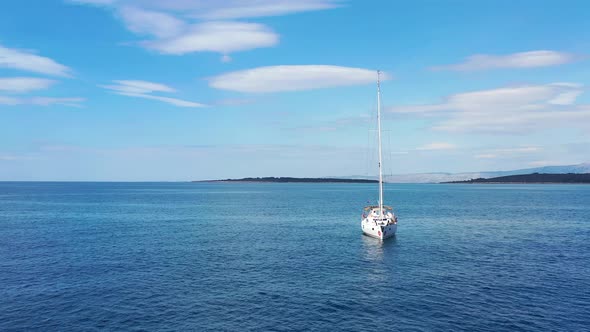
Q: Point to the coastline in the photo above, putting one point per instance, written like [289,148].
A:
[538,178]
[290,180]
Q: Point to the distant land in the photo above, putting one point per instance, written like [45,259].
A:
[448,177]
[421,177]
[533,178]
[296,180]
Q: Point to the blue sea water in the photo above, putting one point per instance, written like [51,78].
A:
[291,257]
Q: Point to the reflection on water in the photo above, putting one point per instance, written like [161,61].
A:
[374,249]
[378,254]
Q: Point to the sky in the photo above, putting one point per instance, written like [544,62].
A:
[177,90]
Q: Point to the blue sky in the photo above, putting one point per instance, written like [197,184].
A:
[191,89]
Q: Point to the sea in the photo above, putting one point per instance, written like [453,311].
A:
[291,257]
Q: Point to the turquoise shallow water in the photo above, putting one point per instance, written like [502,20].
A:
[286,257]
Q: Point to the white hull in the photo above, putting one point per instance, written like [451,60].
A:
[378,230]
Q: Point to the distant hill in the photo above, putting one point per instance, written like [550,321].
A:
[447,177]
[422,177]
[297,180]
[534,178]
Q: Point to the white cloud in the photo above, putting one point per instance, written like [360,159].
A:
[437,146]
[24,84]
[525,149]
[531,59]
[136,86]
[172,101]
[93,2]
[27,61]
[503,97]
[509,152]
[41,101]
[9,100]
[47,101]
[486,156]
[566,98]
[318,128]
[8,157]
[234,9]
[181,26]
[512,109]
[226,9]
[350,121]
[221,37]
[292,78]
[541,163]
[234,101]
[143,89]
[157,24]
[16,157]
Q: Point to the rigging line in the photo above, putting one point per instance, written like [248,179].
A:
[369,152]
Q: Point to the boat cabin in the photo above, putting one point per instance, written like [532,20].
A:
[372,212]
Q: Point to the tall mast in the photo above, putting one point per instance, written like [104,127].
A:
[379,134]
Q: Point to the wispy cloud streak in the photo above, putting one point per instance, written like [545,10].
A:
[531,59]
[144,89]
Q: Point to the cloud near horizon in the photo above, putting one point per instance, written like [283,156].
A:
[508,152]
[435,146]
[293,78]
[513,110]
[531,59]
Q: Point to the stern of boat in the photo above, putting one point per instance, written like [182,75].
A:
[372,229]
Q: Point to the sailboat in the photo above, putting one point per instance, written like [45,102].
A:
[379,221]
